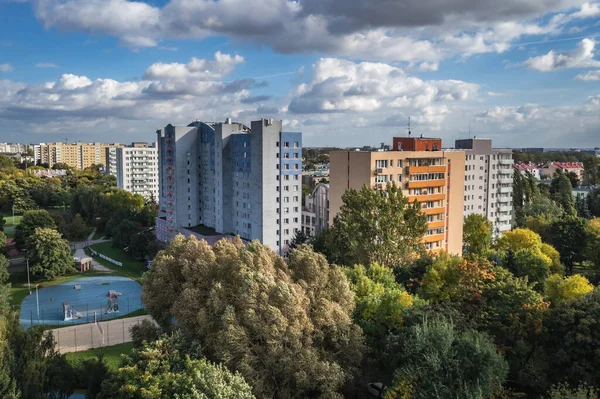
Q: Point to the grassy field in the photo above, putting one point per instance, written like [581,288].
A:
[112,354]
[98,235]
[131,268]
[9,228]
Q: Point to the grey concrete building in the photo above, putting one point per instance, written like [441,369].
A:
[135,167]
[315,213]
[228,178]
[488,182]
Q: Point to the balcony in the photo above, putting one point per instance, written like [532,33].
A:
[170,211]
[434,238]
[169,139]
[436,223]
[505,208]
[505,180]
[380,186]
[426,183]
[504,218]
[506,161]
[379,171]
[505,190]
[427,169]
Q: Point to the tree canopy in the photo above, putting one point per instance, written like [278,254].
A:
[32,220]
[477,235]
[378,227]
[286,328]
[50,254]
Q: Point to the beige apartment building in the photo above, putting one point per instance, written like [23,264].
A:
[76,155]
[433,177]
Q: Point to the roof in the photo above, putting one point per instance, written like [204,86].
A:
[525,166]
[565,165]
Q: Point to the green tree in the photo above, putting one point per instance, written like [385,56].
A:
[2,242]
[569,238]
[378,227]
[160,371]
[435,360]
[592,246]
[572,176]
[529,263]
[50,254]
[380,302]
[560,289]
[2,222]
[299,238]
[570,341]
[563,391]
[591,171]
[32,220]
[561,192]
[6,162]
[593,202]
[477,235]
[140,244]
[286,328]
[124,232]
[77,229]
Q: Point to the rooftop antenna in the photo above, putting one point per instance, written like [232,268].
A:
[408,128]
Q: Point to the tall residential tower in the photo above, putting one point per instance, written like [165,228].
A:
[488,182]
[228,178]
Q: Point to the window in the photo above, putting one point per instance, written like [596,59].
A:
[382,163]
[296,144]
[296,188]
[295,209]
[286,144]
[286,221]
[391,163]
[295,220]
[286,231]
[295,198]
[286,199]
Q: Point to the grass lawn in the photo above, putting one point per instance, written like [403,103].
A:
[131,268]
[19,290]
[98,235]
[9,227]
[112,354]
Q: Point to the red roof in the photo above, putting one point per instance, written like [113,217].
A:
[567,165]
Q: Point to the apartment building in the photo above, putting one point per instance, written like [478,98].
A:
[526,168]
[315,213]
[77,155]
[426,173]
[135,167]
[548,170]
[14,148]
[228,178]
[488,182]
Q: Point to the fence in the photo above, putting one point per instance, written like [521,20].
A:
[111,260]
[88,311]
[95,335]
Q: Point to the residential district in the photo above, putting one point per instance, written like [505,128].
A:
[228,259]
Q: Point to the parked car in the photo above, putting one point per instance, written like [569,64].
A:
[376,389]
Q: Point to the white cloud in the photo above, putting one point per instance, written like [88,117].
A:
[582,57]
[341,86]
[46,65]
[6,68]
[165,92]
[393,30]
[588,10]
[591,75]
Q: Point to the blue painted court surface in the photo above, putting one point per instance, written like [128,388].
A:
[89,301]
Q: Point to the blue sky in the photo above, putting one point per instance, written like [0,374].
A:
[344,72]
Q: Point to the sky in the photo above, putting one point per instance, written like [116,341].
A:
[525,73]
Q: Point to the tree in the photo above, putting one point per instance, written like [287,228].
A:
[6,162]
[2,222]
[518,239]
[592,247]
[570,341]
[140,244]
[286,328]
[380,302]
[77,229]
[50,254]
[561,192]
[569,239]
[378,227]
[531,264]
[560,289]
[593,202]
[2,242]
[435,360]
[563,391]
[124,233]
[299,238]
[591,171]
[477,235]
[32,220]
[160,371]
[572,176]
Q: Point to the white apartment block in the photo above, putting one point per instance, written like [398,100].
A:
[136,168]
[315,213]
[14,148]
[488,182]
[231,179]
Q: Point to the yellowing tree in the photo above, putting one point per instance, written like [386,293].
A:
[560,289]
[286,328]
[518,239]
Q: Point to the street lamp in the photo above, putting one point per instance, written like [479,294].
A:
[37,300]
[28,281]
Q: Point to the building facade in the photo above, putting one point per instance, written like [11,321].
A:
[135,167]
[525,168]
[433,178]
[14,148]
[488,184]
[315,213]
[75,155]
[229,178]
[548,170]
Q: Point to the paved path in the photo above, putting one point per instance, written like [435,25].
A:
[80,253]
[81,337]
